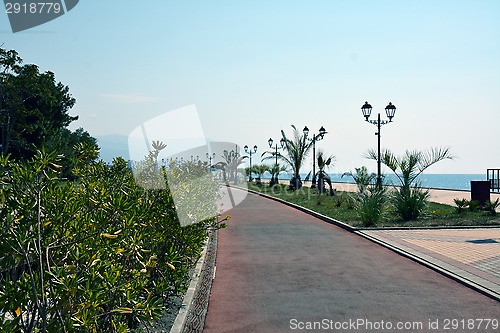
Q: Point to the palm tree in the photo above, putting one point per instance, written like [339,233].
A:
[259,169]
[362,178]
[276,168]
[321,175]
[275,171]
[409,166]
[411,199]
[296,150]
[230,166]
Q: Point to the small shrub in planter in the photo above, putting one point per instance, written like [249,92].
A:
[491,207]
[461,205]
[474,205]
[339,200]
[371,205]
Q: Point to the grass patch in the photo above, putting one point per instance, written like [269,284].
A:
[340,207]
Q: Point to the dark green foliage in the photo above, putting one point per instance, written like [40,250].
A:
[75,148]
[95,255]
[461,205]
[275,170]
[258,169]
[362,178]
[371,205]
[296,150]
[350,200]
[321,175]
[338,200]
[491,207]
[410,201]
[474,206]
[34,111]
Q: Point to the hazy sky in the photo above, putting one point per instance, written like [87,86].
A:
[253,68]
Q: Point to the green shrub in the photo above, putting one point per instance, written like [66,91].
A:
[410,199]
[474,205]
[362,178]
[350,201]
[97,255]
[461,205]
[371,205]
[410,202]
[338,200]
[491,207]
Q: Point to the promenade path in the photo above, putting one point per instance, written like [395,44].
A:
[279,269]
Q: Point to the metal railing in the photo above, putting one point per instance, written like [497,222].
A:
[493,175]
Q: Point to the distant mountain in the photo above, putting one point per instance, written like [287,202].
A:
[113,146]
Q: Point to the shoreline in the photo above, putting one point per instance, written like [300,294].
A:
[451,182]
[307,183]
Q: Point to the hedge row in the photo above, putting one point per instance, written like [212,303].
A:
[99,254]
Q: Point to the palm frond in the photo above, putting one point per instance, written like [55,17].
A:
[308,176]
[434,155]
[388,159]
[158,145]
[296,150]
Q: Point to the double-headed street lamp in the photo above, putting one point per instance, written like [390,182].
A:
[316,137]
[390,110]
[250,152]
[282,145]
[210,158]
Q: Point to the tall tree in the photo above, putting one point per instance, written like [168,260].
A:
[34,107]
[10,63]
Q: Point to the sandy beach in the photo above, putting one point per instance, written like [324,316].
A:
[437,195]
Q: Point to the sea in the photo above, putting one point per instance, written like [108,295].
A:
[438,181]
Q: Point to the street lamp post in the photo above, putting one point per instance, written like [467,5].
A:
[282,143]
[316,137]
[390,110]
[250,152]
[210,158]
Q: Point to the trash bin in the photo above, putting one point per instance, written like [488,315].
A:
[480,191]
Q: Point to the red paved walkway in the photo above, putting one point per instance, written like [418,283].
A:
[278,268]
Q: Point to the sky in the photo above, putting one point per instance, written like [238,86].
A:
[254,68]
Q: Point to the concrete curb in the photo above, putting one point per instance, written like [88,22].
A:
[419,259]
[191,316]
[180,320]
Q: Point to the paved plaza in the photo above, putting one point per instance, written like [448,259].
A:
[469,254]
